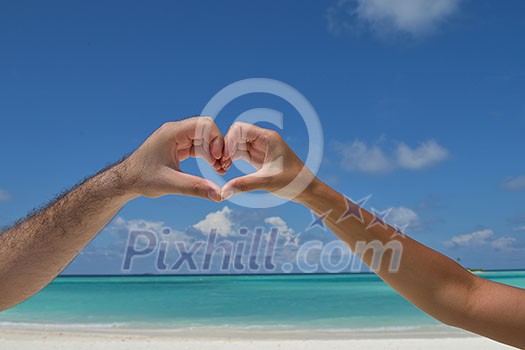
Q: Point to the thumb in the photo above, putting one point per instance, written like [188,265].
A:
[191,185]
[247,183]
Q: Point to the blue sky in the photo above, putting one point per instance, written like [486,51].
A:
[421,107]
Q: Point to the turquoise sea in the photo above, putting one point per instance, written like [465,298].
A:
[321,302]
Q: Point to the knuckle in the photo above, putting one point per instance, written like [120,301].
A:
[239,124]
[197,187]
[272,135]
[206,119]
[166,126]
[266,137]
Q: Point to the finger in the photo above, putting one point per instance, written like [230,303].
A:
[216,147]
[241,154]
[190,185]
[194,151]
[242,133]
[247,183]
[209,136]
[184,154]
[203,151]
[247,157]
[217,166]
[226,163]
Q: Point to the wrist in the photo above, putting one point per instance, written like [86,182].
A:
[121,181]
[311,193]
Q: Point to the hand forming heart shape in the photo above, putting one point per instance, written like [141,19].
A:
[154,168]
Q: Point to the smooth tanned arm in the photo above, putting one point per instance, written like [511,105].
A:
[429,280]
[36,250]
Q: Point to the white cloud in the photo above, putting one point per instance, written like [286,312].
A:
[412,17]
[357,156]
[120,223]
[469,239]
[482,238]
[427,154]
[120,226]
[278,222]
[219,220]
[4,195]
[402,216]
[107,251]
[504,243]
[514,183]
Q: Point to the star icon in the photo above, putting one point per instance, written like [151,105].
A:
[379,218]
[354,209]
[399,231]
[291,239]
[319,220]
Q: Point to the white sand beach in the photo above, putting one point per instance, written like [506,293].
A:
[84,340]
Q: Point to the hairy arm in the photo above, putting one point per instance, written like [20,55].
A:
[34,251]
[429,280]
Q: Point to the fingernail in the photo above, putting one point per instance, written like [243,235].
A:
[226,164]
[214,196]
[216,149]
[227,194]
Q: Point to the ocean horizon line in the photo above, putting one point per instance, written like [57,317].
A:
[257,274]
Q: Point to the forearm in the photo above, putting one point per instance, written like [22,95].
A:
[428,279]
[37,249]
